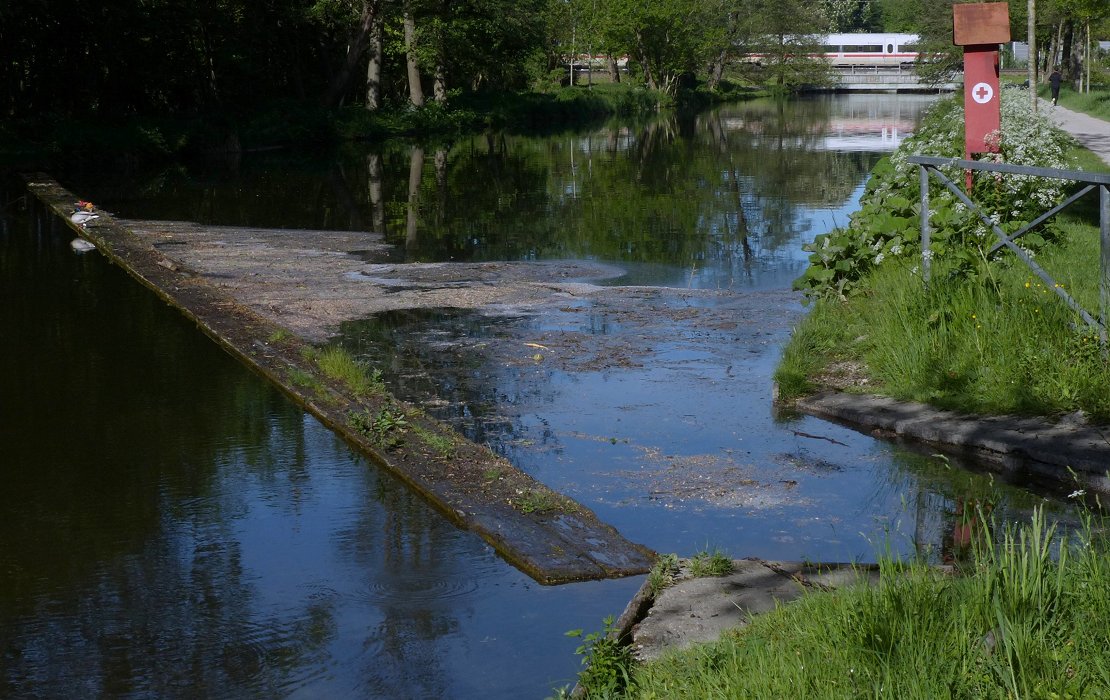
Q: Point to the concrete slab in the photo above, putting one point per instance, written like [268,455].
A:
[699,610]
[560,542]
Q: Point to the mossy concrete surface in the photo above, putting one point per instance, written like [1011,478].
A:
[696,610]
[560,543]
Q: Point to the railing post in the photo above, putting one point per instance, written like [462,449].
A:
[923,176]
[1104,258]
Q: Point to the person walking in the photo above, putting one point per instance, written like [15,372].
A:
[1054,80]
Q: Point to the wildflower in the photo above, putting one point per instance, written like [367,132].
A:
[1077,493]
[895,250]
[879,258]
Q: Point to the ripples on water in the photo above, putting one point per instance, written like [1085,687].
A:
[172,527]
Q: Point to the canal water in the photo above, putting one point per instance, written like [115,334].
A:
[171,526]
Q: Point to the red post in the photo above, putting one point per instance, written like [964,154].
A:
[982,115]
[980,28]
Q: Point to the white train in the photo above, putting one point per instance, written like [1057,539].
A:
[870,49]
[844,50]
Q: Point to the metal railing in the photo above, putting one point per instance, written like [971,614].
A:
[931,165]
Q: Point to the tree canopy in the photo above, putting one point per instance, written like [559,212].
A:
[70,58]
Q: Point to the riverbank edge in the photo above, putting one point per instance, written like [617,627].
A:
[698,609]
[1070,452]
[557,541]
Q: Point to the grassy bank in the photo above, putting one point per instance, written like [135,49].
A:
[985,335]
[1018,621]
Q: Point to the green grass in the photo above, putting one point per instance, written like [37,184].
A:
[663,573]
[706,563]
[278,336]
[1023,623]
[336,363]
[999,341]
[539,501]
[996,344]
[305,380]
[442,445]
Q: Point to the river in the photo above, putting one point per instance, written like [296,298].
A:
[171,526]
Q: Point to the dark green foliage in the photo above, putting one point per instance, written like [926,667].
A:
[386,428]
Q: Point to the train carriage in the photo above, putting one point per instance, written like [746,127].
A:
[870,49]
[854,50]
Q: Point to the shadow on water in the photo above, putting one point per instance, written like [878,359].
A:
[173,526]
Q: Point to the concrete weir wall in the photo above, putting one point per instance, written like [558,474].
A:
[1068,451]
[561,541]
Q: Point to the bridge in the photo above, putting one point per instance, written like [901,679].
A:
[885,79]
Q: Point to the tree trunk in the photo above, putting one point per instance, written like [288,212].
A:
[416,90]
[614,70]
[1087,62]
[374,187]
[1031,37]
[374,69]
[210,63]
[1066,53]
[716,71]
[439,79]
[355,47]
[641,54]
[1054,53]
[440,160]
[416,173]
[439,84]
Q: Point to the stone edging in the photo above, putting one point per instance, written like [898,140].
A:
[1069,451]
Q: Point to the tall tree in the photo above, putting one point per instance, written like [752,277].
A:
[360,37]
[667,38]
[412,63]
[851,15]
[787,34]
[374,66]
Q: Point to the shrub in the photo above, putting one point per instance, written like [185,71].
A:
[887,225]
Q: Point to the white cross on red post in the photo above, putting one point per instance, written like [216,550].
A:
[980,28]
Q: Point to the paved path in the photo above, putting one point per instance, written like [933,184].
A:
[1091,132]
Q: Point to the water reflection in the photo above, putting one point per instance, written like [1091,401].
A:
[172,526]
